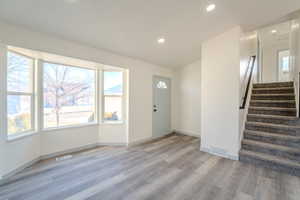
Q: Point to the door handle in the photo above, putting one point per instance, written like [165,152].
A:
[154,110]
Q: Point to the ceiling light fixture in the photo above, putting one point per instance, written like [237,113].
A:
[274,31]
[161,40]
[294,26]
[210,7]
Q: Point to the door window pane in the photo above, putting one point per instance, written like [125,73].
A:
[162,85]
[19,114]
[69,95]
[19,71]
[112,108]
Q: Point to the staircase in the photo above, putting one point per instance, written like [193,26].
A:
[272,134]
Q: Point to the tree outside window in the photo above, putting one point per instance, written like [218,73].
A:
[69,95]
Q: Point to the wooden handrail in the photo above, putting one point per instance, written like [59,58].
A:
[248,83]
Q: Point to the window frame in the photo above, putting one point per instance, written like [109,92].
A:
[280,59]
[122,96]
[95,109]
[32,95]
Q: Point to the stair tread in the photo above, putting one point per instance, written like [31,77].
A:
[273,116]
[270,135]
[276,135]
[272,108]
[284,82]
[279,94]
[272,101]
[274,88]
[270,146]
[272,124]
[271,158]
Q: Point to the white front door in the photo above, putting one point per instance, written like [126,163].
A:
[161,106]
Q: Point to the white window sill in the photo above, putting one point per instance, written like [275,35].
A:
[112,123]
[69,127]
[12,138]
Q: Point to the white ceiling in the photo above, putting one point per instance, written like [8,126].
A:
[282,34]
[131,27]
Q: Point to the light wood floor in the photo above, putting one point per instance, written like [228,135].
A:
[170,168]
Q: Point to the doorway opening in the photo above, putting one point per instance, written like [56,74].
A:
[284,65]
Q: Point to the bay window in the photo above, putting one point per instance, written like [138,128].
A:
[43,95]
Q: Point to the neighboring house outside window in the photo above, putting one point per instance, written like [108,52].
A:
[112,95]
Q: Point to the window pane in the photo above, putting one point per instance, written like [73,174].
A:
[113,83]
[19,71]
[112,108]
[284,61]
[18,113]
[69,95]
[285,64]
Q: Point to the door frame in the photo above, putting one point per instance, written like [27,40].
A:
[277,62]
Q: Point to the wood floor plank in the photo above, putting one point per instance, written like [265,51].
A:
[171,167]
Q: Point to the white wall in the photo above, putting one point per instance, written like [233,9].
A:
[270,59]
[19,152]
[220,78]
[116,134]
[140,97]
[188,98]
[70,138]
[2,109]
[248,48]
[140,100]
[295,55]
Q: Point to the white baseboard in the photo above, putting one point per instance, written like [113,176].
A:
[189,133]
[5,177]
[141,141]
[217,153]
[137,142]
[69,151]
[112,144]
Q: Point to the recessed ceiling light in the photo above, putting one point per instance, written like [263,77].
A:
[210,7]
[274,31]
[294,26]
[161,40]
